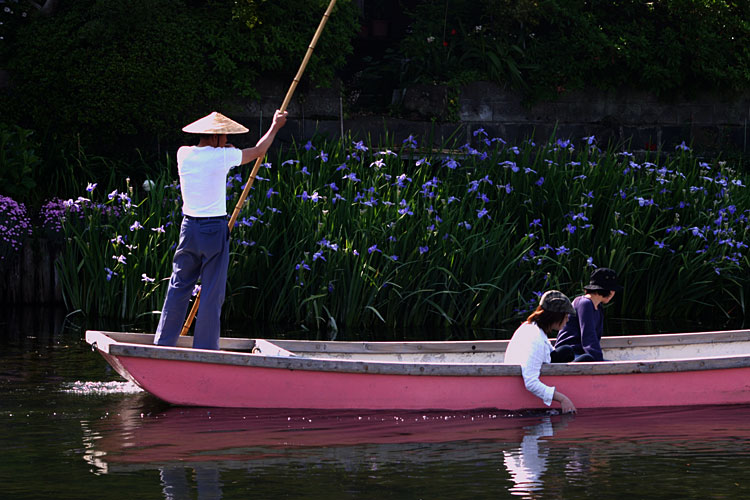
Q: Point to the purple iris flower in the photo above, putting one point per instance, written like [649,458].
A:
[302,265]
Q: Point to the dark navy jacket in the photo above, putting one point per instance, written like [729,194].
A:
[584,329]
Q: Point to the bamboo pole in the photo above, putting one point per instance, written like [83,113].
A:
[259,161]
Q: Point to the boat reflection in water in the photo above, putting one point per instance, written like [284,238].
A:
[195,448]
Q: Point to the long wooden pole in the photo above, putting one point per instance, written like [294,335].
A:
[259,161]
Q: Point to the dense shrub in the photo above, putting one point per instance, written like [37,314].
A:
[670,47]
[107,69]
[109,73]
[19,162]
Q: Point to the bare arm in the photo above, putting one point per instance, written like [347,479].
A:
[565,402]
[250,154]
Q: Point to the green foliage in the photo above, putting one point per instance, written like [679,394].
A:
[18,161]
[112,69]
[122,74]
[459,41]
[670,47]
[468,236]
[283,30]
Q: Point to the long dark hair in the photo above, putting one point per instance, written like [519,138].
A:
[545,319]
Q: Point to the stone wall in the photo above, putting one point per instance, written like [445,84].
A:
[708,122]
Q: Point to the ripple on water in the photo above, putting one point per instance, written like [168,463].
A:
[91,388]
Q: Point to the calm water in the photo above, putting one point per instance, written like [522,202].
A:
[71,429]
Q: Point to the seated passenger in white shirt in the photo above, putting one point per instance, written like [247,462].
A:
[530,346]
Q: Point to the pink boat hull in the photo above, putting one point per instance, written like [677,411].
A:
[194,384]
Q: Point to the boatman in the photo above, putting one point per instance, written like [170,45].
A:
[203,249]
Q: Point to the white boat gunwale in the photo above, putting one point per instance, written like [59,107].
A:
[228,344]
[109,342]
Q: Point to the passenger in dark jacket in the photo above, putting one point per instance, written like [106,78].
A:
[584,330]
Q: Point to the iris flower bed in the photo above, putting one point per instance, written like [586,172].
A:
[469,234]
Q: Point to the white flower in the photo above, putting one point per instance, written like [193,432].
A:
[148,185]
[430,39]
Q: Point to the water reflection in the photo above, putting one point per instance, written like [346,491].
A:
[141,432]
[177,486]
[199,451]
[527,463]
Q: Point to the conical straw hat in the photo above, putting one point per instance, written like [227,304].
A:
[215,123]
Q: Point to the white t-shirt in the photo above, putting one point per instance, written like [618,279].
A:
[203,178]
[530,348]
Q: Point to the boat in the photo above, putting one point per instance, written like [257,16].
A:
[676,369]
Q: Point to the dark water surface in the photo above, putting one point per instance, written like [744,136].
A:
[70,428]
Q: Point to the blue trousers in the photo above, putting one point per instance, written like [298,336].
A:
[202,252]
[566,354]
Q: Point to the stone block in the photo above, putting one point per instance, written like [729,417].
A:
[669,115]
[476,111]
[425,101]
[509,110]
[732,112]
[699,113]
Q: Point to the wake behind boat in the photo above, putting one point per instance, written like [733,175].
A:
[706,368]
